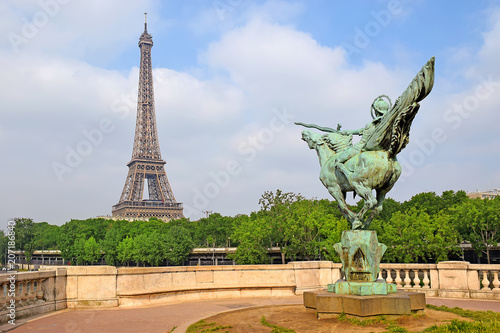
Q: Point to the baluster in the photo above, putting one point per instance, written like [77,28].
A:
[379,274]
[389,279]
[24,291]
[426,281]
[416,280]
[31,291]
[38,290]
[19,289]
[407,279]
[485,281]
[398,278]
[496,282]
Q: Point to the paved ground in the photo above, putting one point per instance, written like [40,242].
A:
[164,318]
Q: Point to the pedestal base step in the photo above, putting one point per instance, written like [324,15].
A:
[378,287]
[330,305]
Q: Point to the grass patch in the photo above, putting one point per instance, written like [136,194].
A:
[458,326]
[476,315]
[202,327]
[365,322]
[276,328]
[484,321]
[395,328]
[392,326]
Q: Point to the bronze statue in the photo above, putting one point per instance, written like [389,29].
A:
[371,163]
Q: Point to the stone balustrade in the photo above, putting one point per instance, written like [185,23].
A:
[445,279]
[28,293]
[412,277]
[107,286]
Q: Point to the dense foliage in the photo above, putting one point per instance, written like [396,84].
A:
[427,228]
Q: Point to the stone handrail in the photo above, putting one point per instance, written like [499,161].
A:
[25,294]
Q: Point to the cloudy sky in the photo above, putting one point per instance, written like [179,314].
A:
[231,77]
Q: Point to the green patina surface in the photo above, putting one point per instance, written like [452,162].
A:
[360,253]
[369,164]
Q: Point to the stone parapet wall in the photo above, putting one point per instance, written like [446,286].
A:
[108,286]
[26,294]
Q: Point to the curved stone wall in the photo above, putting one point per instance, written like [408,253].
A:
[105,286]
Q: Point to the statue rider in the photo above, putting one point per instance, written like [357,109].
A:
[380,106]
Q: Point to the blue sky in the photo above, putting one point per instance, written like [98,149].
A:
[231,77]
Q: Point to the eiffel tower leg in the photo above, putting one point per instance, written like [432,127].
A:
[128,186]
[138,188]
[165,187]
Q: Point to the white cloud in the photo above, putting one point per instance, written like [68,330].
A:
[75,29]
[53,91]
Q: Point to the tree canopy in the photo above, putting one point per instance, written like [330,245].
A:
[426,228]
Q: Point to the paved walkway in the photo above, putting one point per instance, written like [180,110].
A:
[164,318]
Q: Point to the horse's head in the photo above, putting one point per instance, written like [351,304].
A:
[312,139]
[334,141]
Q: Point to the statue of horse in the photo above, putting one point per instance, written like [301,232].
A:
[364,175]
[371,163]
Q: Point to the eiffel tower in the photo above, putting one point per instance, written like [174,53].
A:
[146,164]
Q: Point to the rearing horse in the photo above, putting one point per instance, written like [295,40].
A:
[371,163]
[364,175]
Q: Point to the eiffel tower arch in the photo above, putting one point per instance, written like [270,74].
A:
[146,165]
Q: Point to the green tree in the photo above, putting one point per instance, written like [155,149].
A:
[311,229]
[125,250]
[25,236]
[216,227]
[253,235]
[417,235]
[250,252]
[74,230]
[92,251]
[78,251]
[432,203]
[46,236]
[4,240]
[478,222]
[148,248]
[178,244]
[275,207]
[114,236]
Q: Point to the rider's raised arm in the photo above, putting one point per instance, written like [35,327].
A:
[353,132]
[321,128]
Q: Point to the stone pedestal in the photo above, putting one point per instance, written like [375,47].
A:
[330,305]
[360,253]
[361,294]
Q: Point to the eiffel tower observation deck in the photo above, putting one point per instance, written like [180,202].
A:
[146,165]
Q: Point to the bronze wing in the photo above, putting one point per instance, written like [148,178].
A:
[393,131]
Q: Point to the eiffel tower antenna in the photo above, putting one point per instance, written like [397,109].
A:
[146,165]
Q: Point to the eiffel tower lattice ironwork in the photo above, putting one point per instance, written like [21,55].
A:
[146,164]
